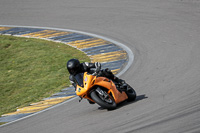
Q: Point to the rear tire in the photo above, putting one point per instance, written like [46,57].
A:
[107,103]
[130,93]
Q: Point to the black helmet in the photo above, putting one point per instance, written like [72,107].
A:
[73,66]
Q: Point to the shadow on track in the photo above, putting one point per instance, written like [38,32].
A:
[125,103]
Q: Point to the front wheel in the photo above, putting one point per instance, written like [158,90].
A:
[103,99]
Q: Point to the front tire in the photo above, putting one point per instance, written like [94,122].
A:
[104,102]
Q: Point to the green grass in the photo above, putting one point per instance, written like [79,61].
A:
[1,123]
[32,69]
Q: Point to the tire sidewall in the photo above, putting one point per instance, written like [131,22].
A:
[103,104]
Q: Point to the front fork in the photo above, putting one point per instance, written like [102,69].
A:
[102,93]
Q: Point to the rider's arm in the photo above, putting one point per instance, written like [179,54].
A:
[87,66]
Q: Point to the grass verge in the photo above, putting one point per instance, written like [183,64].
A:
[32,69]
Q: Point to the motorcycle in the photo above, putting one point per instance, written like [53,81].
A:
[103,91]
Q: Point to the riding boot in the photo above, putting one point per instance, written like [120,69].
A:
[122,84]
[119,81]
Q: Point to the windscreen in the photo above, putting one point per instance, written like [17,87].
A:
[79,79]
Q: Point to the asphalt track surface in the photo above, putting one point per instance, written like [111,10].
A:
[164,36]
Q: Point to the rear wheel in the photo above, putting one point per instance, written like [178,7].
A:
[130,93]
[103,99]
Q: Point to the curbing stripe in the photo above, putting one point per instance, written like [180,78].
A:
[109,57]
[93,42]
[19,31]
[4,28]
[96,47]
[113,65]
[101,49]
[46,34]
[35,107]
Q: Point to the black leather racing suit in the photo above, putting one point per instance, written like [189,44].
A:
[90,67]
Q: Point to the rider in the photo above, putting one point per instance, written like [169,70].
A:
[74,67]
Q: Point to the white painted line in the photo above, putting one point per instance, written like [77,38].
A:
[40,111]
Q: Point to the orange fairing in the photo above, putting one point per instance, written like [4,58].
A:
[118,96]
[90,81]
[106,83]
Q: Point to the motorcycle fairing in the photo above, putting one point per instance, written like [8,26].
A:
[89,81]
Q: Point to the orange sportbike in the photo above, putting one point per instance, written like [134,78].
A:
[102,90]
